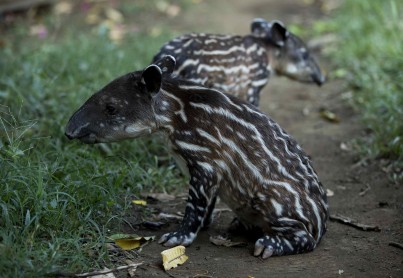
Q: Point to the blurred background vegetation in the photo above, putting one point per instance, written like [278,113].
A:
[59,200]
[370,56]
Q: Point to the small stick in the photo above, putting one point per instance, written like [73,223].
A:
[353,223]
[106,271]
[396,244]
[362,193]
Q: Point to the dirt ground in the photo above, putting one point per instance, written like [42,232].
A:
[344,250]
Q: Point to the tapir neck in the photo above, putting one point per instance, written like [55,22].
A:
[168,108]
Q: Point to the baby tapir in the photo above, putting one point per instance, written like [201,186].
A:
[230,149]
[242,65]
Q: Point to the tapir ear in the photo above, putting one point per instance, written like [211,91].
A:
[259,27]
[278,33]
[152,78]
[166,64]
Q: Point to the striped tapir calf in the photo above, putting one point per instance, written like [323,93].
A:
[229,148]
[242,65]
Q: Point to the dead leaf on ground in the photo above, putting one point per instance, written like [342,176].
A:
[219,240]
[130,241]
[329,193]
[168,216]
[162,197]
[345,147]
[173,257]
[329,116]
[153,225]
[139,202]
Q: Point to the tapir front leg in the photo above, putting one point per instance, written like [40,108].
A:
[200,204]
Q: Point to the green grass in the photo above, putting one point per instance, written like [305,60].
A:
[59,198]
[370,51]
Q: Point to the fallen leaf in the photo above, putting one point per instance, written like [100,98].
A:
[130,241]
[139,202]
[223,241]
[168,216]
[173,257]
[329,116]
[329,193]
[344,147]
[153,225]
[306,111]
[131,272]
[162,197]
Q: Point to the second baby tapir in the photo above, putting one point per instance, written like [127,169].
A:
[229,148]
[242,65]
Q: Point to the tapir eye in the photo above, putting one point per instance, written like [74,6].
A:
[111,110]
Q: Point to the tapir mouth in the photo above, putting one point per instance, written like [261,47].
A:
[89,138]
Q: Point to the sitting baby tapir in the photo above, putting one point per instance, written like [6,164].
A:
[242,65]
[229,148]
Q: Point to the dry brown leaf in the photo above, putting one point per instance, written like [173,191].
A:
[162,197]
[130,241]
[329,116]
[173,257]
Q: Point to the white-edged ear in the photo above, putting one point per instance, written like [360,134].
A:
[166,64]
[259,27]
[278,33]
[152,78]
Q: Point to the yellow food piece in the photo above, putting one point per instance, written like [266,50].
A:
[173,257]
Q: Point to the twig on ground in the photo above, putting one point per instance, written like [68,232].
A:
[363,192]
[106,271]
[353,223]
[396,244]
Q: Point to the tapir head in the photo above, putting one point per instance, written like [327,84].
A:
[290,55]
[122,109]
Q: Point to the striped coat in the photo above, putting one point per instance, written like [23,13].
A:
[229,148]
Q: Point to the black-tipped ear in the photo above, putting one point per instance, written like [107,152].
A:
[166,64]
[259,27]
[278,33]
[152,78]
